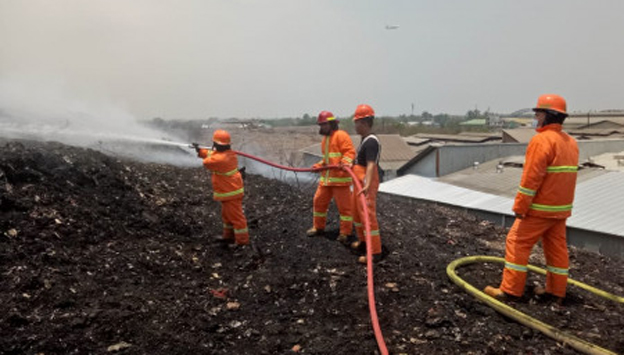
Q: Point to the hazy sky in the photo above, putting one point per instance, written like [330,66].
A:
[284,58]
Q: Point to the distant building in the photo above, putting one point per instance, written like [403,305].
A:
[463,137]
[524,135]
[477,122]
[516,122]
[604,124]
[441,160]
[494,120]
[608,119]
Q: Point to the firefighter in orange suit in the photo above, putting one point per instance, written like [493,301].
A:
[227,185]
[366,168]
[542,204]
[337,149]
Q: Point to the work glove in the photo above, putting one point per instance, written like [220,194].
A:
[195,146]
[242,172]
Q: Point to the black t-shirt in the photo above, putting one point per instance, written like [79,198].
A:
[368,150]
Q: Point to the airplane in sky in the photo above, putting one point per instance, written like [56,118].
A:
[392,27]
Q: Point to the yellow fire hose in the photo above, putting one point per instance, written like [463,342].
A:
[555,333]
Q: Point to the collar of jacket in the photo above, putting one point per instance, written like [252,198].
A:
[550,127]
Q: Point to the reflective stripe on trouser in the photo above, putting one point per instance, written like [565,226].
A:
[520,240]
[342,197]
[234,221]
[371,203]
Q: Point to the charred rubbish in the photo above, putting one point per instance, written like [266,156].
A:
[104,255]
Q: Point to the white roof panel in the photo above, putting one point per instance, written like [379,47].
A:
[598,202]
[419,187]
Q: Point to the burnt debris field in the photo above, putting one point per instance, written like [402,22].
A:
[101,255]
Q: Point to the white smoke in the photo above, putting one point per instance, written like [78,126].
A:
[47,112]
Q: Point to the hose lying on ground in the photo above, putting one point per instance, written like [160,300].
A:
[369,253]
[557,334]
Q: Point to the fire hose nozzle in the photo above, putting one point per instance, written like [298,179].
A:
[194,146]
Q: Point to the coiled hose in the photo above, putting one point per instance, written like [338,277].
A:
[555,333]
[369,253]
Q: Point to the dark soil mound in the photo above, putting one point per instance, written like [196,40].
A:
[99,255]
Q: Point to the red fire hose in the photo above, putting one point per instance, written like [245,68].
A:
[369,253]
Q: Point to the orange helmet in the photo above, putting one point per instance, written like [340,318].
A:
[363,111]
[221,137]
[325,116]
[551,102]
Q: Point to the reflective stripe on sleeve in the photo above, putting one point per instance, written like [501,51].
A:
[525,191]
[562,169]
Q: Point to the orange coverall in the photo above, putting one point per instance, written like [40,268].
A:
[336,148]
[227,185]
[371,200]
[371,203]
[544,198]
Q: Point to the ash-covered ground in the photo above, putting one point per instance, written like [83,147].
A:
[100,255]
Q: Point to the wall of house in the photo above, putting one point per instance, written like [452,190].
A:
[425,167]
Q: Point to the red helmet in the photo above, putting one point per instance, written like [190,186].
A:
[551,102]
[325,116]
[221,137]
[363,111]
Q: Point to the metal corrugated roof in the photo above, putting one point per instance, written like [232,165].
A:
[611,161]
[489,178]
[419,187]
[596,131]
[520,135]
[597,205]
[474,122]
[414,140]
[393,148]
[462,137]
[579,121]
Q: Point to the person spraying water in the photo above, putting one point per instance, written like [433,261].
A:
[227,184]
